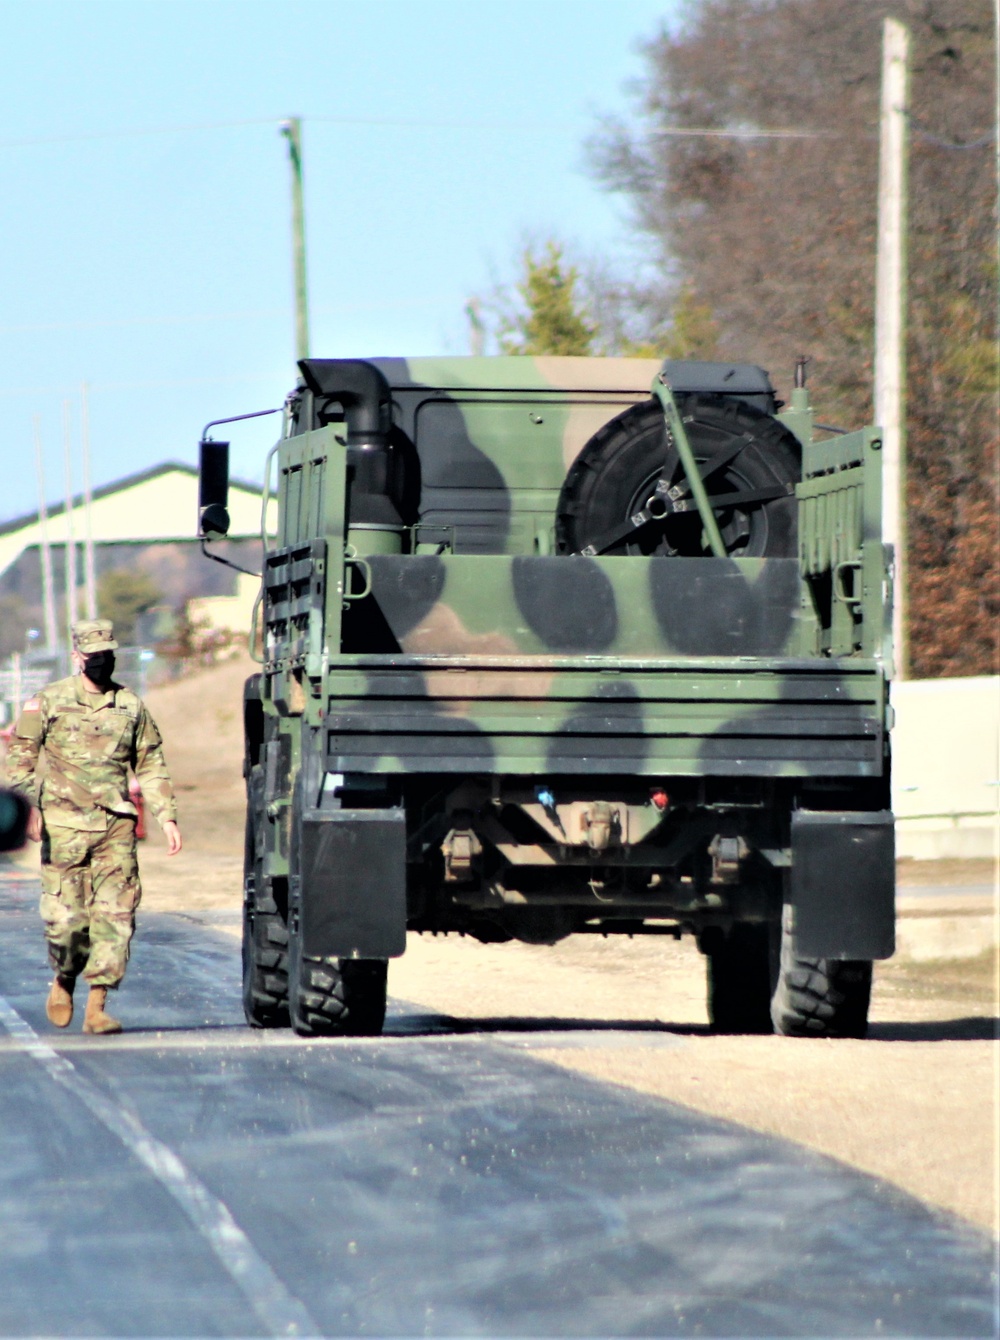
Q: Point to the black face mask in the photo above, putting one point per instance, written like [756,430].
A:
[99,667]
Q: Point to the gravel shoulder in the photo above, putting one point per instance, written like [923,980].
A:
[915,1104]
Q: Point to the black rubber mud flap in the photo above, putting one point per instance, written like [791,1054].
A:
[843,885]
[353,884]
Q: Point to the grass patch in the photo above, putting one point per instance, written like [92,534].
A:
[971,981]
[955,872]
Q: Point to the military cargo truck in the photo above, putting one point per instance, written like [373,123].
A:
[548,652]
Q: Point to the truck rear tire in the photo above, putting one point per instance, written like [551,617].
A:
[819,997]
[344,997]
[617,470]
[758,985]
[265,931]
[739,978]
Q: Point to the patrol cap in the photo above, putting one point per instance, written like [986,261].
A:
[94,635]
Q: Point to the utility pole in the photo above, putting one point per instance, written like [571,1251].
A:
[70,573]
[88,535]
[48,593]
[292,130]
[996,85]
[890,315]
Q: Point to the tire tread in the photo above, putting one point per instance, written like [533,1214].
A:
[819,997]
[345,997]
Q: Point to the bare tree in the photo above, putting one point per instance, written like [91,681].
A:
[776,236]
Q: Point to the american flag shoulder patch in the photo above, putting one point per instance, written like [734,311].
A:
[32,705]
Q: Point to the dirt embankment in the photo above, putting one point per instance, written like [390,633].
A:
[914,1104]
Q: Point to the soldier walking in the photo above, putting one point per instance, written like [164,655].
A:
[92,730]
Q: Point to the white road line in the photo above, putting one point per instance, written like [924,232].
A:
[280,1312]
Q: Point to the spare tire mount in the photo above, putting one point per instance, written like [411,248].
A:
[631,490]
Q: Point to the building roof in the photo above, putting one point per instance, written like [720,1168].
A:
[154,505]
[106,490]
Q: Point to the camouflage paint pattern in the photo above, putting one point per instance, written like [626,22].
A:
[481,649]
[510,717]
[90,877]
[90,740]
[90,891]
[610,606]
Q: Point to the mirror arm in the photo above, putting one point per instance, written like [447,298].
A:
[213,485]
[228,563]
[255,414]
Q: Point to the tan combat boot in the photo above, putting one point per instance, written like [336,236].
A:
[94,1019]
[59,1005]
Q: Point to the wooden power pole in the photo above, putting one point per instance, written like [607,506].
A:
[292,130]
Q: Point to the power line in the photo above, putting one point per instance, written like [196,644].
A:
[195,318]
[403,123]
[917,133]
[506,126]
[928,137]
[38,327]
[710,132]
[134,385]
[135,132]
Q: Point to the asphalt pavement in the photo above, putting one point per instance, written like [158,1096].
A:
[193,1177]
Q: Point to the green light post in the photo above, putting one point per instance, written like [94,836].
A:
[292,130]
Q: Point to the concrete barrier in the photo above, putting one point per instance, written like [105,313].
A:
[946,768]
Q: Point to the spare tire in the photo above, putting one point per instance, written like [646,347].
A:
[617,471]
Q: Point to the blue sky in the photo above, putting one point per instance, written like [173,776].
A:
[144,202]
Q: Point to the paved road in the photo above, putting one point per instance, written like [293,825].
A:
[194,1178]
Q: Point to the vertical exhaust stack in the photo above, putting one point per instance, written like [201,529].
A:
[362,393]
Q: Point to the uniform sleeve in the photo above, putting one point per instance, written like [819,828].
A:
[24,747]
[151,770]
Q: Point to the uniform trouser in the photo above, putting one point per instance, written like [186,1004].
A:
[90,890]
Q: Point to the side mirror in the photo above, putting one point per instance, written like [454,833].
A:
[213,489]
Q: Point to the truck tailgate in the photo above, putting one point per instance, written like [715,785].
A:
[523,715]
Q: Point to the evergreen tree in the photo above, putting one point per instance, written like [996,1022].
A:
[550,316]
[123,594]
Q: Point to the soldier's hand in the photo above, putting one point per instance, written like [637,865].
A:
[34,829]
[173,836]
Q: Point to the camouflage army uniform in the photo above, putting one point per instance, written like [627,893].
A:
[90,876]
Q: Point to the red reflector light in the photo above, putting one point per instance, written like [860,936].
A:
[659,798]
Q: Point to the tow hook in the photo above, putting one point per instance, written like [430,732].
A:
[599,822]
[726,854]
[460,848]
